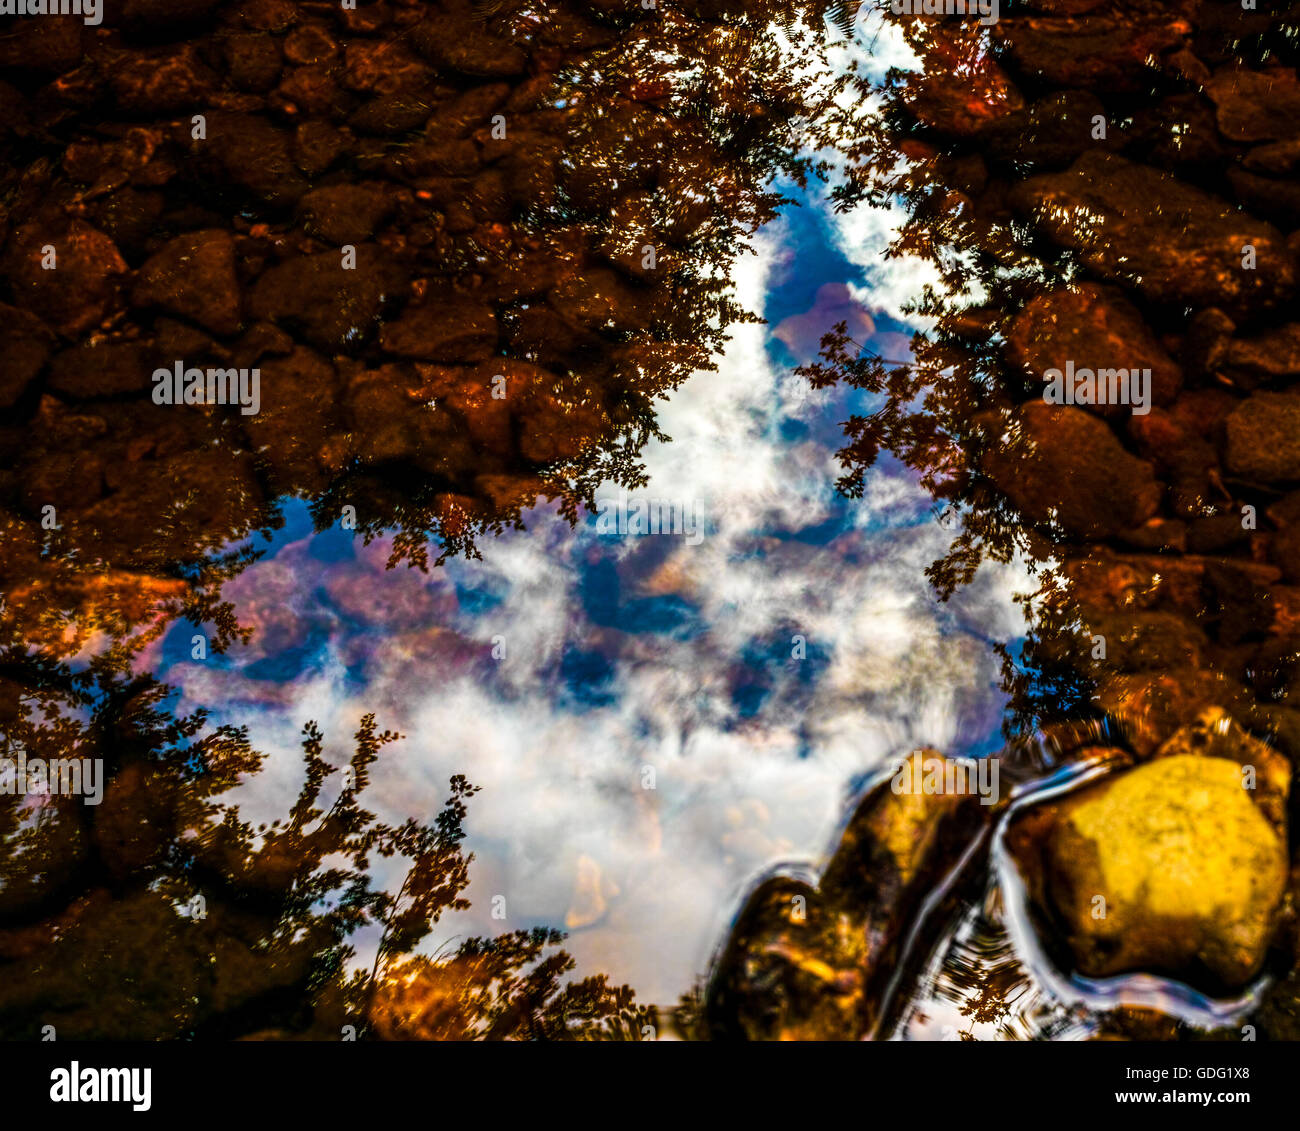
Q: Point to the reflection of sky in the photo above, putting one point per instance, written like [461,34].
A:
[644,660]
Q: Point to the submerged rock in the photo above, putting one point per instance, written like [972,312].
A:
[1256,105]
[332,306]
[1175,243]
[1102,53]
[1264,438]
[1071,468]
[1093,327]
[1177,866]
[194,276]
[814,963]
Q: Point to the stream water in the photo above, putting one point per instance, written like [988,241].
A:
[649,451]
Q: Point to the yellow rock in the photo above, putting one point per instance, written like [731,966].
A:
[1169,867]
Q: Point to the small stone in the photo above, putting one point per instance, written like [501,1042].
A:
[317,145]
[1271,356]
[1256,105]
[25,344]
[103,369]
[334,307]
[253,61]
[247,150]
[1277,158]
[1264,438]
[309,44]
[444,331]
[1173,242]
[162,82]
[962,91]
[1110,54]
[43,45]
[343,214]
[193,276]
[1070,467]
[74,296]
[1277,201]
[1096,328]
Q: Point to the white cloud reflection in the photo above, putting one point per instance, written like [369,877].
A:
[691,670]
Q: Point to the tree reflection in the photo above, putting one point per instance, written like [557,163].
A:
[162,913]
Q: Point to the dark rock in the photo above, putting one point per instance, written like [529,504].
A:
[67,481]
[1175,243]
[334,307]
[103,369]
[597,299]
[1179,131]
[365,20]
[1069,462]
[1214,534]
[1277,201]
[76,294]
[25,345]
[444,331]
[390,419]
[163,81]
[963,92]
[391,114]
[1097,328]
[1271,356]
[1140,640]
[300,394]
[441,38]
[260,340]
[317,145]
[129,217]
[194,276]
[1102,53]
[248,151]
[1205,344]
[346,213]
[175,340]
[1053,132]
[50,44]
[253,61]
[309,44]
[311,90]
[386,67]
[1256,105]
[1279,158]
[1264,438]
